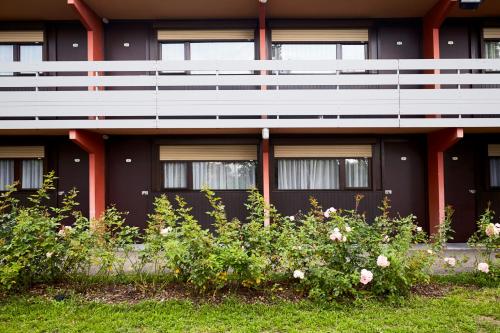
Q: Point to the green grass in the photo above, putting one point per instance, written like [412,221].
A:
[463,310]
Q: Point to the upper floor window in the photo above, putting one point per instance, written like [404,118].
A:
[323,167]
[207,44]
[218,167]
[491,43]
[319,44]
[492,49]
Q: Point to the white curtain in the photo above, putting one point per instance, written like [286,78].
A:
[31,53]
[224,175]
[6,174]
[6,55]
[492,49]
[32,174]
[495,172]
[356,172]
[308,174]
[174,175]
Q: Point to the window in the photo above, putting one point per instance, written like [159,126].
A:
[308,174]
[492,49]
[357,173]
[216,175]
[219,167]
[214,50]
[20,52]
[323,167]
[495,171]
[6,174]
[28,171]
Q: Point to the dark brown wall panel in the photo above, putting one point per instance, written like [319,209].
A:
[403,173]
[66,36]
[136,34]
[126,181]
[460,187]
[409,34]
[73,172]
[454,41]
[294,202]
[233,201]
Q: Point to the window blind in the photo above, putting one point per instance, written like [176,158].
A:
[208,153]
[320,35]
[21,36]
[322,151]
[189,35]
[22,152]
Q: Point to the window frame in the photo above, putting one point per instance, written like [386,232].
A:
[18,165]
[16,55]
[342,174]
[189,175]
[338,47]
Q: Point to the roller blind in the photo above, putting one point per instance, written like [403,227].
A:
[21,36]
[322,151]
[491,33]
[209,153]
[22,152]
[222,34]
[494,150]
[320,35]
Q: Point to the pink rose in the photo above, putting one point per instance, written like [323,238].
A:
[483,267]
[366,276]
[382,261]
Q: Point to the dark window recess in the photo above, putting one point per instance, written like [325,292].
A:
[216,175]
[323,174]
[29,173]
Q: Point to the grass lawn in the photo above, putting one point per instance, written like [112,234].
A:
[464,309]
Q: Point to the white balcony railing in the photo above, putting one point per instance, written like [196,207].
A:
[250,94]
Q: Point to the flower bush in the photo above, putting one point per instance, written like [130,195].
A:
[324,253]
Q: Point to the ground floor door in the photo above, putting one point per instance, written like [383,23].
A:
[460,188]
[404,177]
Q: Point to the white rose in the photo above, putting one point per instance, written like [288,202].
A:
[297,274]
[382,261]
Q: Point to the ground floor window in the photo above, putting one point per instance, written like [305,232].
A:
[216,175]
[323,167]
[29,172]
[494,164]
[495,171]
[308,174]
[218,167]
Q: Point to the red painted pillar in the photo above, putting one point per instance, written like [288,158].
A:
[266,189]
[93,144]
[437,144]
[95,32]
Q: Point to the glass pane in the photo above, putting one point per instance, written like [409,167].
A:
[32,174]
[495,172]
[356,172]
[174,175]
[308,174]
[6,55]
[6,174]
[353,52]
[304,51]
[222,51]
[172,51]
[31,53]
[492,49]
[224,175]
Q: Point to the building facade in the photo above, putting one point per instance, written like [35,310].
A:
[126,100]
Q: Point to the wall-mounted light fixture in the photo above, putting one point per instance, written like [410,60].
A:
[399,43]
[75,45]
[77,160]
[265,133]
[105,20]
[455,158]
[128,160]
[469,4]
[263,1]
[126,44]
[450,42]
[403,158]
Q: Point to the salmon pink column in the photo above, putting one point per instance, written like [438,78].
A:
[437,144]
[266,189]
[95,34]
[93,144]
